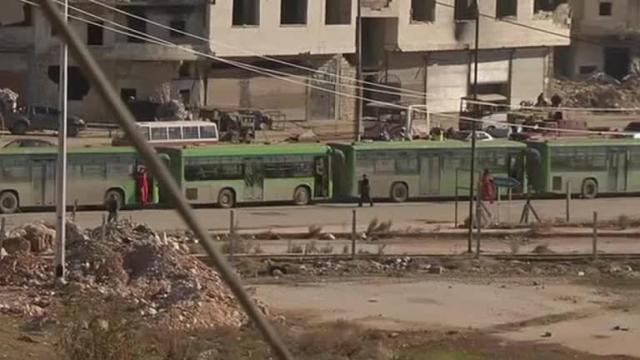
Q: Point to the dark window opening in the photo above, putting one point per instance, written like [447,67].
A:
[185,96]
[178,28]
[465,10]
[293,12]
[423,10]
[138,25]
[78,84]
[127,94]
[546,5]
[506,8]
[338,12]
[605,8]
[617,62]
[185,70]
[588,69]
[246,12]
[95,34]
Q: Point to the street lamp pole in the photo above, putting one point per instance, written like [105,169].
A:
[359,93]
[472,180]
[61,165]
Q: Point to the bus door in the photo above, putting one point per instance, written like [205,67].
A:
[430,175]
[321,176]
[43,182]
[617,177]
[253,180]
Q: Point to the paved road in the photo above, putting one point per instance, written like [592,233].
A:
[337,217]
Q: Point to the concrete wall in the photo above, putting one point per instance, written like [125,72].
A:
[587,20]
[447,34]
[11,12]
[272,38]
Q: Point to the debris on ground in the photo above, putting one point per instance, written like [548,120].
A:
[598,91]
[153,274]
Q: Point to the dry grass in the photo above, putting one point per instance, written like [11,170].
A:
[311,248]
[377,228]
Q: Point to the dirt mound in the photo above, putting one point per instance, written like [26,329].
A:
[598,90]
[153,274]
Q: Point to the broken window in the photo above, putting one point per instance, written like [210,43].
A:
[465,10]
[506,8]
[95,34]
[588,69]
[178,28]
[128,94]
[605,8]
[338,12]
[185,96]
[423,10]
[185,70]
[78,84]
[246,12]
[293,12]
[137,24]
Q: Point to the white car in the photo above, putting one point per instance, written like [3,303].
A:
[466,135]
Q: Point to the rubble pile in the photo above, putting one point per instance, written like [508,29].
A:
[153,275]
[600,91]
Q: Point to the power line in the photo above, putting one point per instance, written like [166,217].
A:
[152,39]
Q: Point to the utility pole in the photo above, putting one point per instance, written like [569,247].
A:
[61,165]
[472,176]
[357,130]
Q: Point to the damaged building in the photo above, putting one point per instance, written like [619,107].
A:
[606,35]
[314,34]
[426,46]
[16,46]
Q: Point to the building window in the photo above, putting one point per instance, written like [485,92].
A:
[605,8]
[464,10]
[178,28]
[95,34]
[506,8]
[127,94]
[293,12]
[185,70]
[423,10]
[338,12]
[185,96]
[246,12]
[137,24]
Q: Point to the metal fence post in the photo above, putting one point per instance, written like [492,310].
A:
[479,216]
[3,227]
[455,206]
[568,204]
[509,197]
[74,210]
[232,233]
[595,235]
[353,234]
[103,229]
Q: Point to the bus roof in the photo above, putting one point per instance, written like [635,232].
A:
[252,150]
[72,150]
[559,142]
[430,144]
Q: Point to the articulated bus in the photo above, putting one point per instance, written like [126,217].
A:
[230,174]
[27,176]
[403,170]
[588,166]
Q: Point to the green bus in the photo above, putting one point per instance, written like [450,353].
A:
[27,176]
[588,166]
[229,174]
[402,170]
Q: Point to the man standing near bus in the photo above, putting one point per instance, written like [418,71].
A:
[142,184]
[365,191]
[112,206]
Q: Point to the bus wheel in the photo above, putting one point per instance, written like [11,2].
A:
[399,192]
[589,189]
[226,198]
[118,195]
[8,202]
[301,196]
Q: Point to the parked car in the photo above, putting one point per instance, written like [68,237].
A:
[44,118]
[633,127]
[466,135]
[27,143]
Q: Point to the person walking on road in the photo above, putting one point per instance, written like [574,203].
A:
[487,188]
[113,206]
[365,191]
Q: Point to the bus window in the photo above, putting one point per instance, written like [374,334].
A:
[175,133]
[208,132]
[145,133]
[190,132]
[159,133]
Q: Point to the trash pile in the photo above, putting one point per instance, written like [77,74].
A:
[153,275]
[600,91]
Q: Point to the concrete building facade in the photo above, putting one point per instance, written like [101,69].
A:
[605,38]
[427,46]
